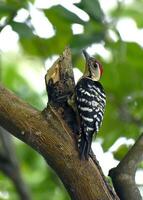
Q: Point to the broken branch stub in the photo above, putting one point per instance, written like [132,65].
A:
[60,87]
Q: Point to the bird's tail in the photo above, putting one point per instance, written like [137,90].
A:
[84,145]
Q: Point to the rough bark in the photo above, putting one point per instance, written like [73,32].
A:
[123,176]
[49,135]
[54,142]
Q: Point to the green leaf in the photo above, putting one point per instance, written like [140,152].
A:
[18,3]
[82,40]
[60,17]
[62,20]
[92,8]
[122,79]
[93,33]
[133,10]
[10,7]
[6,9]
[140,165]
[121,152]
[45,47]
[22,29]
[17,83]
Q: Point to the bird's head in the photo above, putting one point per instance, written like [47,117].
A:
[93,68]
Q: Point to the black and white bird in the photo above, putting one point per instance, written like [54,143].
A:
[91,101]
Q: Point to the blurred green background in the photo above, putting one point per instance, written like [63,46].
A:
[34,33]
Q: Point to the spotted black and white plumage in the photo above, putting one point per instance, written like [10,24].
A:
[91,101]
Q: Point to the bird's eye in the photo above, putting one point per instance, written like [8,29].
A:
[96,65]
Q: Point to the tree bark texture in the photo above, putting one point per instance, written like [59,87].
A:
[54,142]
[48,133]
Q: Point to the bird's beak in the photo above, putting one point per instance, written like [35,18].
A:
[86,55]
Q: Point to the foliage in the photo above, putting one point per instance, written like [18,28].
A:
[122,75]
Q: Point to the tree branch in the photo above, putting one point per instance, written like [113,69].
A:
[123,176]
[9,164]
[55,144]
[49,135]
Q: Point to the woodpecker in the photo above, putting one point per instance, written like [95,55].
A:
[91,101]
